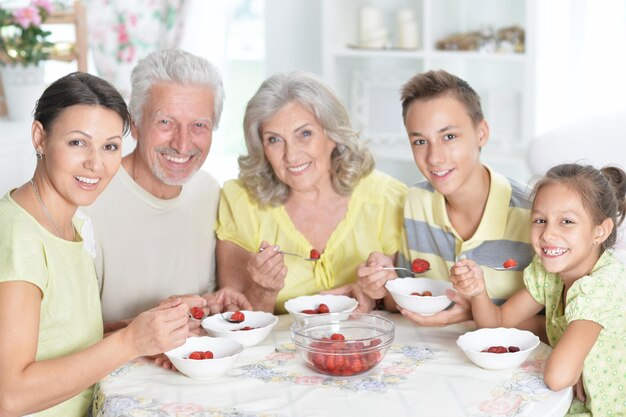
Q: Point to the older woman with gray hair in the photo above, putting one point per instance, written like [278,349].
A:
[307,187]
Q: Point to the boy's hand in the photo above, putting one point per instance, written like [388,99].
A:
[461,311]
[371,276]
[467,278]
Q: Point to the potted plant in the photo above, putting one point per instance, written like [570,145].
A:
[23,47]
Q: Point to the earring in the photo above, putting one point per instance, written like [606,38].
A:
[39,155]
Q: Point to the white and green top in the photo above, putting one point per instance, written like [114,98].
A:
[597,297]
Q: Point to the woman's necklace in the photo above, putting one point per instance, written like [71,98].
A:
[45,210]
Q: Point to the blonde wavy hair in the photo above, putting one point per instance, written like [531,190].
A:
[350,160]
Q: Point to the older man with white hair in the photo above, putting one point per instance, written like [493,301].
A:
[154,224]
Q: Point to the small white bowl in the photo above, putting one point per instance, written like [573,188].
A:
[401,289]
[335,303]
[261,322]
[225,351]
[472,344]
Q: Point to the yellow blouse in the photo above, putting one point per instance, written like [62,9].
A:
[373,222]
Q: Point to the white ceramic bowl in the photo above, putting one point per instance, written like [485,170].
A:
[472,344]
[225,353]
[335,303]
[401,289]
[261,322]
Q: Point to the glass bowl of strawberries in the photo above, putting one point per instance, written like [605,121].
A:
[342,344]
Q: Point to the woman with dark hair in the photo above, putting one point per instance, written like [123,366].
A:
[51,347]
[306,185]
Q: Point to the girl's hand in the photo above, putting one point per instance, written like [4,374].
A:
[467,278]
[579,390]
[158,330]
[371,276]
[267,268]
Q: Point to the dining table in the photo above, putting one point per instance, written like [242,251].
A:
[424,373]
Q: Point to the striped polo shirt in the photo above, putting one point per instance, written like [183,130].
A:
[503,233]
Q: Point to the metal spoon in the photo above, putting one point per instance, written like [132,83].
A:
[294,254]
[397,268]
[228,319]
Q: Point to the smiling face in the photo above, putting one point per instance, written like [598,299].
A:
[446,144]
[82,149]
[297,148]
[563,234]
[173,137]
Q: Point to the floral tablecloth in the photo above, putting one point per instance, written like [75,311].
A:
[423,374]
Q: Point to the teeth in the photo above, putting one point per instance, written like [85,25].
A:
[440,173]
[554,252]
[176,160]
[88,180]
[299,168]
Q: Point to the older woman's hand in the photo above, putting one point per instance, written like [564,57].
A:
[267,268]
[372,277]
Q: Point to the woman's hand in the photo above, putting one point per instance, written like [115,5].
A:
[267,268]
[372,277]
[468,278]
[191,300]
[158,330]
[459,312]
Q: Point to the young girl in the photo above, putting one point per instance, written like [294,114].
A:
[576,279]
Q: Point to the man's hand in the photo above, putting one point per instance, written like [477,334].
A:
[226,299]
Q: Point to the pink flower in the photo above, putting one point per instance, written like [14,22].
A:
[501,406]
[44,4]
[309,380]
[27,16]
[122,34]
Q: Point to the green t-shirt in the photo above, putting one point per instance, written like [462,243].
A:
[70,316]
[597,297]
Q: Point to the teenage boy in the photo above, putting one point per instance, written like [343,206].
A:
[464,209]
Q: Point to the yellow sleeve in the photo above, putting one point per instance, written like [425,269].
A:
[392,216]
[236,218]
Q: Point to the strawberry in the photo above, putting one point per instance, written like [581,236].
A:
[510,263]
[309,311]
[337,336]
[237,317]
[195,355]
[207,355]
[427,294]
[420,265]
[513,349]
[197,313]
[315,254]
[419,294]
[323,308]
